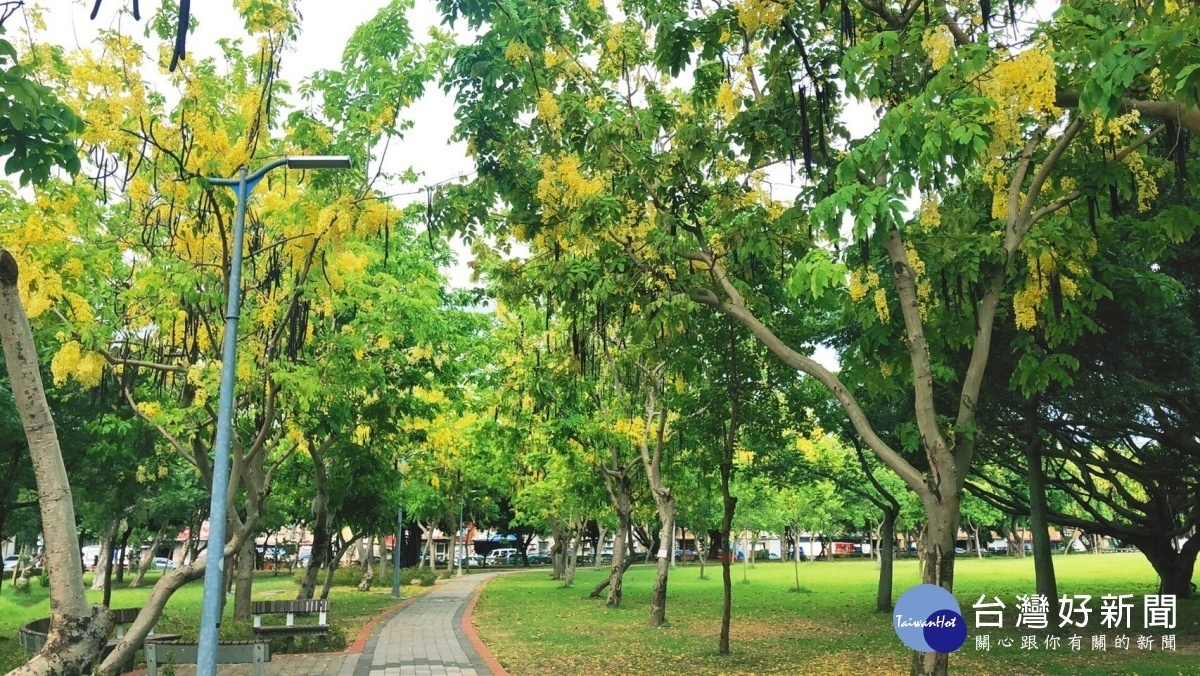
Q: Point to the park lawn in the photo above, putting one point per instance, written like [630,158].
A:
[534,626]
[350,610]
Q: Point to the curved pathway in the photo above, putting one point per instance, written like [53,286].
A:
[426,638]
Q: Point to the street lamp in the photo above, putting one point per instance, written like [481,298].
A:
[461,543]
[210,610]
[402,468]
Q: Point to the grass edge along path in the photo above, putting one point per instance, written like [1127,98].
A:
[472,633]
[533,625]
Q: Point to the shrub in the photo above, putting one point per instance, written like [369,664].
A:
[44,579]
[424,577]
[21,586]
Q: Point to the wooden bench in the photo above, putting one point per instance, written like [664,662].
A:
[32,635]
[291,609]
[257,653]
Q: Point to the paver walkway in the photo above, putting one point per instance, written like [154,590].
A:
[423,639]
[426,638]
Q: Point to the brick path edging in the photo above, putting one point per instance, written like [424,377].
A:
[468,627]
[364,634]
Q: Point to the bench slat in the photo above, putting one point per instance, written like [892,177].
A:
[294,630]
[243,652]
[297,607]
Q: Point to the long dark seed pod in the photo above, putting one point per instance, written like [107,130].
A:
[805,134]
[185,10]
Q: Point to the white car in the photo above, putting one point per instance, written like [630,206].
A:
[163,563]
[11,562]
[499,557]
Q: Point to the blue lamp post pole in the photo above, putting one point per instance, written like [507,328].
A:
[401,468]
[396,551]
[214,578]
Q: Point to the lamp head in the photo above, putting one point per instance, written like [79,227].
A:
[318,162]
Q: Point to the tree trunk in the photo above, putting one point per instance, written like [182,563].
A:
[77,631]
[148,559]
[619,564]
[104,559]
[319,556]
[368,571]
[557,551]
[658,598]
[1174,568]
[652,444]
[430,549]
[1043,562]
[673,544]
[335,562]
[617,485]
[937,544]
[106,582]
[244,577]
[121,555]
[575,546]
[603,534]
[604,584]
[978,548]
[701,554]
[887,536]
[729,503]
[796,554]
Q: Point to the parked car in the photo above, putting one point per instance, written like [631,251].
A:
[11,562]
[959,550]
[162,563]
[499,557]
[473,561]
[998,546]
[685,555]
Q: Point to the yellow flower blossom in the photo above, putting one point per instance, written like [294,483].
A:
[938,43]
[753,14]
[881,306]
[516,52]
[858,289]
[931,216]
[547,108]
[563,188]
[727,103]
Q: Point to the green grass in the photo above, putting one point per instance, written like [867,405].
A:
[350,610]
[533,626]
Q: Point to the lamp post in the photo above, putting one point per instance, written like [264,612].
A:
[461,535]
[210,611]
[401,467]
